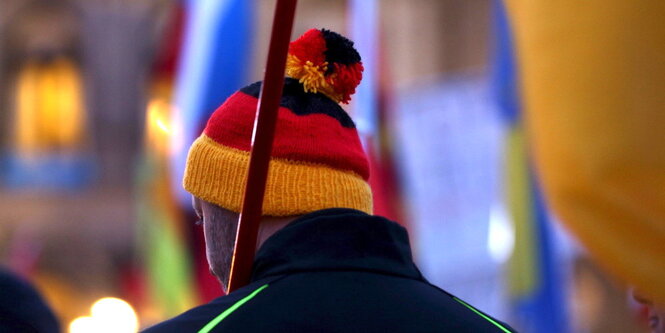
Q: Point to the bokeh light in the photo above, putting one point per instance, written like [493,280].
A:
[108,314]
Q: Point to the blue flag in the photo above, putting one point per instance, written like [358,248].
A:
[216,62]
[537,292]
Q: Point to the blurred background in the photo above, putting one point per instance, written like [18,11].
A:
[100,99]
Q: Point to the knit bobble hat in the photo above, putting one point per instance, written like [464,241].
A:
[317,160]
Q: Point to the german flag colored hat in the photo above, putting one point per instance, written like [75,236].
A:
[317,160]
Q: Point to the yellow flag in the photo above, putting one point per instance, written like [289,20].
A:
[593,87]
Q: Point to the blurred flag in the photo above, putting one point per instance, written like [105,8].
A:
[536,290]
[216,61]
[163,233]
[370,107]
[593,86]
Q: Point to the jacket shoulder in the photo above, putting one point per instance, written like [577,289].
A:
[202,316]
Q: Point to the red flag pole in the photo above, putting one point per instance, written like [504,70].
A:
[262,138]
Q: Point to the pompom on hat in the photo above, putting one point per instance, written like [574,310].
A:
[324,61]
[317,160]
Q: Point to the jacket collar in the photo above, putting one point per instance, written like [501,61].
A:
[337,239]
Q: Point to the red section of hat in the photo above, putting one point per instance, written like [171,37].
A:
[314,138]
[311,46]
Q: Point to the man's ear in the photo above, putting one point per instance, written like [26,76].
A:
[196,204]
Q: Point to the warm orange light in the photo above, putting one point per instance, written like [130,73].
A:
[158,127]
[158,114]
[49,112]
[163,126]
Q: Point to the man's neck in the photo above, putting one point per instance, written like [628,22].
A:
[270,225]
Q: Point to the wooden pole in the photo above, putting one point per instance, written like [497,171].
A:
[262,138]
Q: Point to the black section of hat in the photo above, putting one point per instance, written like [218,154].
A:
[339,49]
[301,103]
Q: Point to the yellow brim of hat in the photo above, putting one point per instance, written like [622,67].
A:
[218,174]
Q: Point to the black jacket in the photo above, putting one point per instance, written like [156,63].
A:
[336,270]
